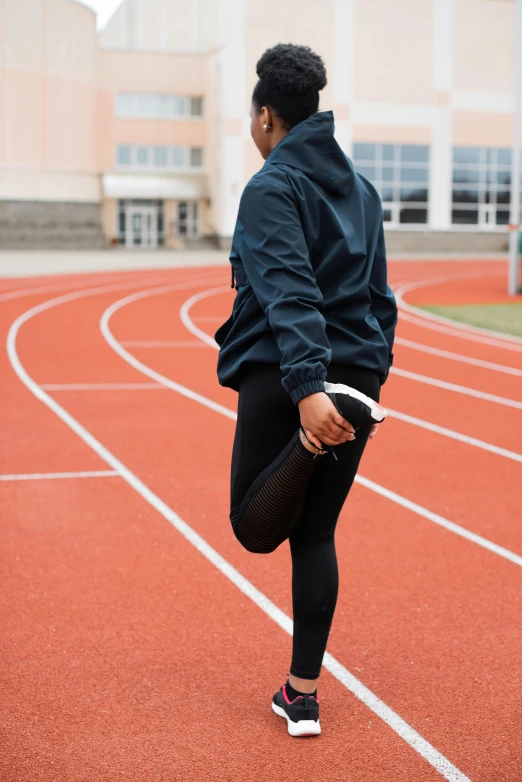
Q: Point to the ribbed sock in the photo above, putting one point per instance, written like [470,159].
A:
[293,694]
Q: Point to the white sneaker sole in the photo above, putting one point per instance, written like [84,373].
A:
[378,413]
[301,728]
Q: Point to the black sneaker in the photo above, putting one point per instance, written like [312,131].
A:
[354,406]
[301,714]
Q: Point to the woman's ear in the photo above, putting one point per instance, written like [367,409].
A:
[267,119]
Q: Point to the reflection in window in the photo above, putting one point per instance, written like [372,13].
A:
[482,177]
[401,174]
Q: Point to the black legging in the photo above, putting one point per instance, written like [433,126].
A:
[265,440]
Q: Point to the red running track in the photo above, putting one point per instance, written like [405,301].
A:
[128,652]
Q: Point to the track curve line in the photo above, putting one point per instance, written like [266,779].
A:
[463,330]
[438,761]
[463,438]
[225,411]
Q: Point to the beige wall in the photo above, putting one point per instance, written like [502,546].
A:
[484,45]
[162,25]
[394,51]
[147,72]
[48,76]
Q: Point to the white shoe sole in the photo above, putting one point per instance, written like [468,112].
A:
[378,413]
[301,728]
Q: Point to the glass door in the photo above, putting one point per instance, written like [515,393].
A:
[142,227]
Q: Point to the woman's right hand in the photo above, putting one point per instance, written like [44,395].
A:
[322,422]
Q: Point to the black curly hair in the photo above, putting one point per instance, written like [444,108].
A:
[290,78]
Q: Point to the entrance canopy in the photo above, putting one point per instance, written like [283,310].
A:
[161,187]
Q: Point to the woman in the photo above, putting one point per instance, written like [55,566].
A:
[308,345]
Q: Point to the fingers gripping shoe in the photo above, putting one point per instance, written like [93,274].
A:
[354,406]
[301,714]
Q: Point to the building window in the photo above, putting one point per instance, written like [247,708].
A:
[196,107]
[166,158]
[401,175]
[187,222]
[123,154]
[151,106]
[160,156]
[481,186]
[142,156]
[196,157]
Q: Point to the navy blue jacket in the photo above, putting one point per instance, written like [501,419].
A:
[309,262]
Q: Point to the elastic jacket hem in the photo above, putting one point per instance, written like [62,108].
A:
[305,389]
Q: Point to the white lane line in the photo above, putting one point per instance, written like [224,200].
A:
[188,322]
[477,362]
[163,344]
[19,293]
[190,394]
[454,327]
[366,696]
[432,381]
[482,340]
[100,386]
[51,476]
[485,446]
[462,438]
[440,520]
[191,326]
[356,687]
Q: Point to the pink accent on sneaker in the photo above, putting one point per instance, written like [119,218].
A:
[287,699]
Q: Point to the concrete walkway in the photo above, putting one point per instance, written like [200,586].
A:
[39,263]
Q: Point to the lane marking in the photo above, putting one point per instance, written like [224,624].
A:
[51,476]
[462,438]
[449,326]
[163,344]
[19,293]
[477,362]
[485,446]
[356,687]
[426,324]
[189,324]
[100,386]
[218,408]
[458,389]
[440,520]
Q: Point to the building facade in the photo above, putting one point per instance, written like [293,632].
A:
[139,136]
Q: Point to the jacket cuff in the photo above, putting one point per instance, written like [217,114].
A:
[311,387]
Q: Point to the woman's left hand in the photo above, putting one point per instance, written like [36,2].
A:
[373,431]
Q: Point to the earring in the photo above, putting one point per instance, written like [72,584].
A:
[266,127]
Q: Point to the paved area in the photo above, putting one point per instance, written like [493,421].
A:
[35,263]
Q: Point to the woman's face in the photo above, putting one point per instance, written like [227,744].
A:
[260,129]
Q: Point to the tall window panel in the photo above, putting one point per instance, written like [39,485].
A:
[401,174]
[481,191]
[152,106]
[159,157]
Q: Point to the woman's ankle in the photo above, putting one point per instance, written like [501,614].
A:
[303,686]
